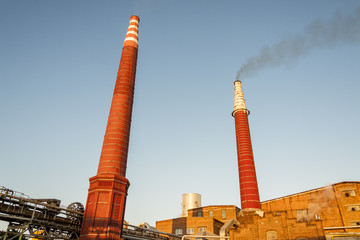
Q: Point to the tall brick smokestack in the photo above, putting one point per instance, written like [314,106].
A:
[105,206]
[249,191]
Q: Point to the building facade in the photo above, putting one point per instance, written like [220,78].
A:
[331,212]
[209,219]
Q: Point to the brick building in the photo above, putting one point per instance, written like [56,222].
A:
[210,219]
[331,212]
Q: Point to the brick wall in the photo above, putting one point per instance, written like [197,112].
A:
[315,214]
[165,226]
[275,226]
[231,212]
[337,206]
[348,198]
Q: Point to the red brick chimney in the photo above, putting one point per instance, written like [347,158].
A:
[105,206]
[249,191]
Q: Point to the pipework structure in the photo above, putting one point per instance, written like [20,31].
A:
[39,218]
[105,206]
[249,191]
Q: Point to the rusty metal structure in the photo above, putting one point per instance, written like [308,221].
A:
[47,219]
[35,218]
[131,232]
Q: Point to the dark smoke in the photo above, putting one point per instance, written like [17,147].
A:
[319,34]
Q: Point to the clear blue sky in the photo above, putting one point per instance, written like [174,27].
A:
[58,64]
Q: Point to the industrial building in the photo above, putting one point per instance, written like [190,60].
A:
[330,212]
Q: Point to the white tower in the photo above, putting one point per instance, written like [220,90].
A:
[190,201]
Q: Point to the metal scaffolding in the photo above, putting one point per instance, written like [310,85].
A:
[39,218]
[47,219]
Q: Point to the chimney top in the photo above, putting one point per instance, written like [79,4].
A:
[239,100]
[131,38]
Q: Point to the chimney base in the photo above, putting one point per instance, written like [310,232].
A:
[105,207]
[252,211]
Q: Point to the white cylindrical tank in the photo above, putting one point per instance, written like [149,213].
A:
[190,201]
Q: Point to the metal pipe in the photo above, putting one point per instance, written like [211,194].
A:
[203,236]
[151,230]
[341,227]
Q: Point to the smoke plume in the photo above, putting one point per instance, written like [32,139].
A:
[319,34]
[321,203]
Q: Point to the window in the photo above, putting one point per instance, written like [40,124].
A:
[349,193]
[223,213]
[211,213]
[199,214]
[189,231]
[179,231]
[353,208]
[201,229]
[301,215]
[271,235]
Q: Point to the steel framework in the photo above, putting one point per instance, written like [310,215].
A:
[47,219]
[39,218]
